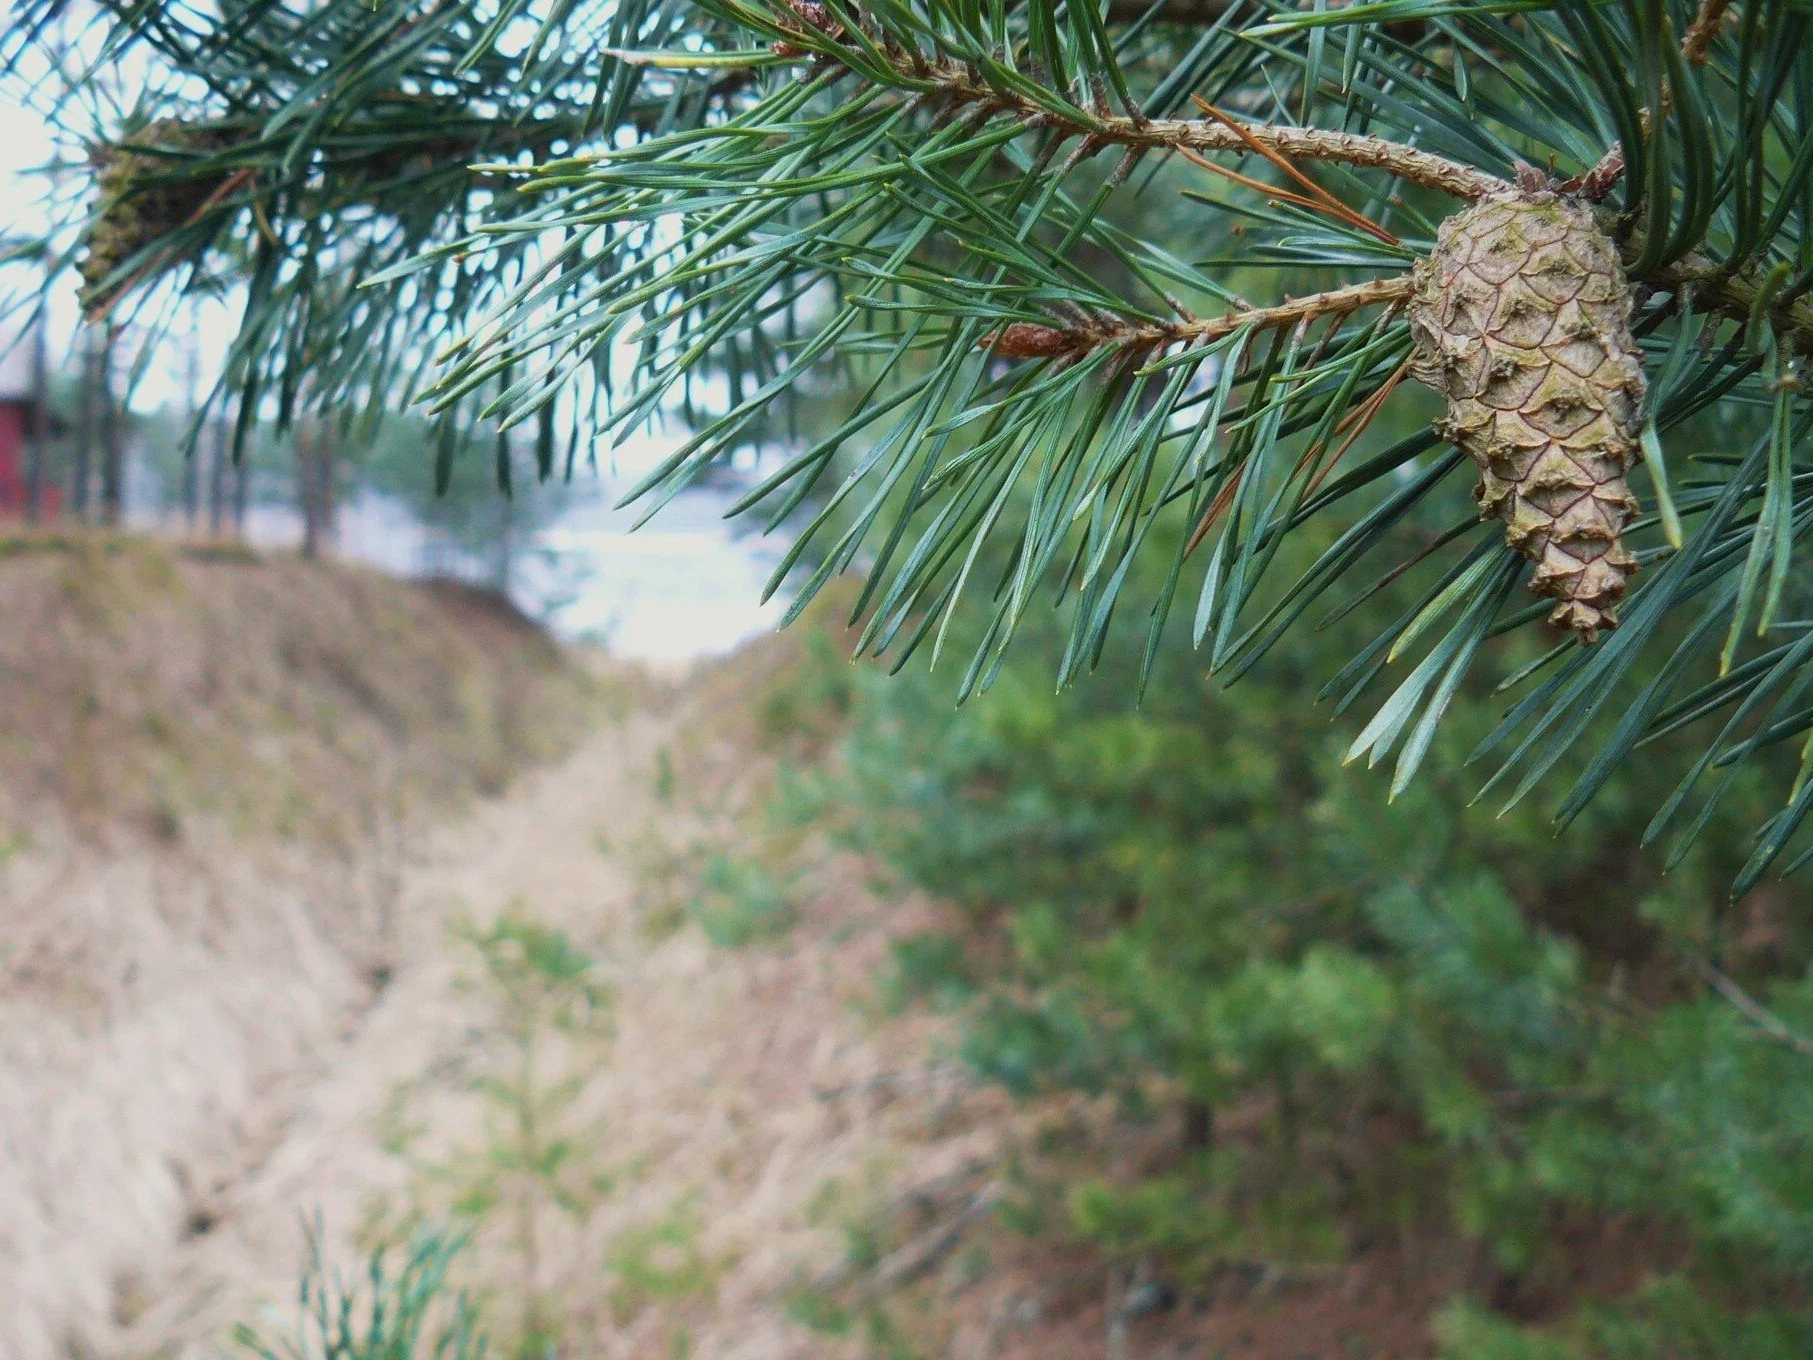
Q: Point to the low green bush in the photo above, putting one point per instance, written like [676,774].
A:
[739,901]
[1195,902]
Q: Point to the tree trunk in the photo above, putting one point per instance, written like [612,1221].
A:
[504,548]
[192,454]
[191,491]
[1198,1126]
[305,492]
[112,447]
[38,431]
[217,473]
[83,464]
[315,488]
[242,489]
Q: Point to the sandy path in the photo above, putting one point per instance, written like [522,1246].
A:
[713,1107]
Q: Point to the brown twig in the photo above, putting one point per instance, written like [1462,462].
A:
[1324,201]
[1359,418]
[1278,195]
[1703,30]
[953,86]
[1030,340]
[1314,144]
[1335,302]
[1217,508]
[1356,422]
[1754,1011]
[1598,182]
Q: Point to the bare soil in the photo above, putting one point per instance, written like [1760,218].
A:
[209,1052]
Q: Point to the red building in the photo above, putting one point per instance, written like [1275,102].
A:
[19,394]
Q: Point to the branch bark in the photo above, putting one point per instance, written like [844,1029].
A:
[1734,294]
[1703,30]
[956,88]
[1025,340]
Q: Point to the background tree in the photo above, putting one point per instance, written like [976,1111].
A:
[1100,312]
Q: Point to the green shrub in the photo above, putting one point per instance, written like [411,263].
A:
[1667,1317]
[536,1159]
[739,901]
[930,966]
[1196,898]
[661,1262]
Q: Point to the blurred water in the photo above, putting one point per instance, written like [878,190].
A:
[682,586]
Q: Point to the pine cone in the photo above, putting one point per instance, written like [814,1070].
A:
[143,195]
[1522,321]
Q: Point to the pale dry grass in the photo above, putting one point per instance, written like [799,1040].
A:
[234,989]
[207,776]
[209,1041]
[150,1010]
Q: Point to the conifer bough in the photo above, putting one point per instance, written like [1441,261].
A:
[968,220]
[1521,317]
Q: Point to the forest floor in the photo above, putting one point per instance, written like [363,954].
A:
[759,1158]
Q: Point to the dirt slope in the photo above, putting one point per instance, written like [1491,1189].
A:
[210,767]
[740,1108]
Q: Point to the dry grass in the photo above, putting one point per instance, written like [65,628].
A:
[208,783]
[733,1128]
[151,688]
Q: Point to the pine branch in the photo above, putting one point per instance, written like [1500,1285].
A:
[1742,295]
[1298,143]
[1028,340]
[1750,294]
[956,86]
[1043,384]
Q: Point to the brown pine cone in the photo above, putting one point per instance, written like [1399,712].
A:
[1522,321]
